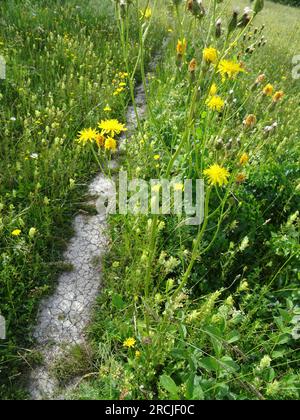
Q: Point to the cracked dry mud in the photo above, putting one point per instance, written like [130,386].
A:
[64,316]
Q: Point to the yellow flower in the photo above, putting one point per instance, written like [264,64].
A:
[268,90]
[16,232]
[213,90]
[110,144]
[229,69]
[210,55]
[217,175]
[244,159]
[129,342]
[137,354]
[87,135]
[122,84]
[123,75]
[277,96]
[215,103]
[100,140]
[111,127]
[147,13]
[156,157]
[107,108]
[181,47]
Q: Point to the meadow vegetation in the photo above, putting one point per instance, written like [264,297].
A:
[186,312]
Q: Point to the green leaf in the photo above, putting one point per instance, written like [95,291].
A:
[229,364]
[169,385]
[117,301]
[233,337]
[209,364]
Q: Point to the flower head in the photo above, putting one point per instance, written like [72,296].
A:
[111,127]
[217,175]
[240,178]
[16,232]
[110,144]
[210,55]
[146,14]
[244,159]
[100,140]
[129,342]
[107,108]
[213,90]
[181,47]
[268,90]
[229,69]
[193,66]
[278,96]
[250,121]
[215,103]
[87,135]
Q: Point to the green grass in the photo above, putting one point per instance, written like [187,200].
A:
[232,334]
[60,68]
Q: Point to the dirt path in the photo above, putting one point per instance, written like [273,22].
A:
[64,316]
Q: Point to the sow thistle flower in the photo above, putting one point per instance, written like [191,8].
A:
[217,175]
[129,342]
[146,14]
[87,135]
[213,90]
[215,103]
[244,159]
[110,144]
[229,69]
[181,47]
[268,90]
[111,127]
[192,66]
[210,55]
[278,96]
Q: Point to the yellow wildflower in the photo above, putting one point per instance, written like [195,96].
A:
[129,342]
[110,144]
[111,127]
[87,135]
[137,354]
[210,55]
[277,96]
[244,159]
[217,175]
[16,232]
[156,157]
[213,90]
[215,103]
[100,140]
[268,90]
[147,13]
[181,47]
[107,108]
[229,69]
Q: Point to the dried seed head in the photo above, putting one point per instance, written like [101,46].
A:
[218,28]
